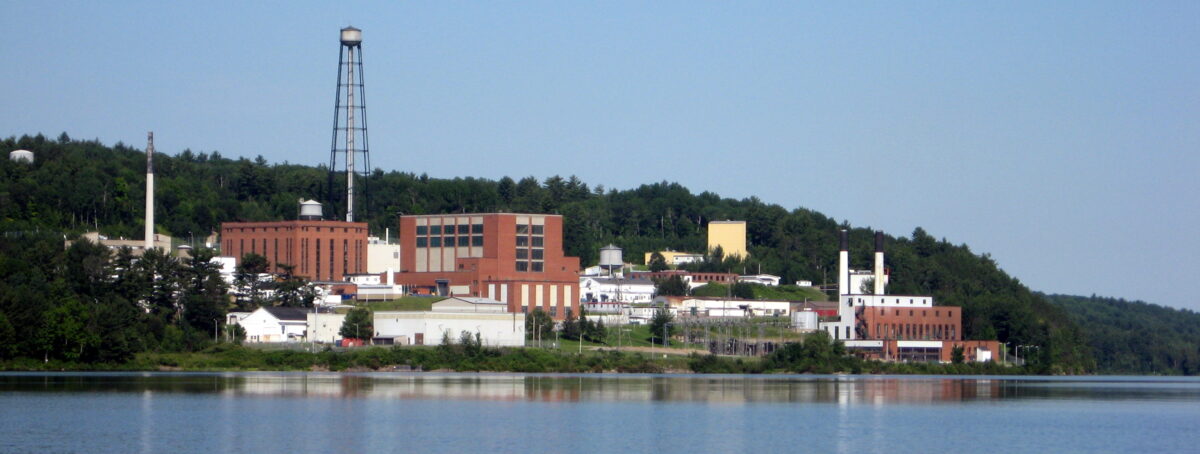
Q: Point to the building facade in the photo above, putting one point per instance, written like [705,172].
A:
[513,258]
[319,250]
[730,236]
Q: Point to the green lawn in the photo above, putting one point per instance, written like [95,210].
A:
[407,303]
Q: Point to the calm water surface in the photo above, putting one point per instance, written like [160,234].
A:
[501,413]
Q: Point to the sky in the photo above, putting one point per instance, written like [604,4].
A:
[1061,138]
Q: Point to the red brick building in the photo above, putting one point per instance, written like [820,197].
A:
[320,250]
[514,258]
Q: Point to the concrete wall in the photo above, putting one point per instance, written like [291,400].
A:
[325,327]
[504,329]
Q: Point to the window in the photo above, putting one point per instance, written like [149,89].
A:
[537,254]
[435,241]
[422,241]
[477,228]
[477,240]
[537,241]
[522,229]
[538,229]
[463,240]
[522,253]
[522,266]
[554,311]
[537,267]
[435,230]
[522,241]
[422,230]
[464,229]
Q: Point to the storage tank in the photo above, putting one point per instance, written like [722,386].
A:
[804,321]
[21,156]
[310,210]
[610,257]
[351,36]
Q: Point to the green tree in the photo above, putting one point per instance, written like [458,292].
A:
[570,326]
[8,338]
[956,355]
[538,323]
[657,262]
[671,286]
[357,325]
[660,325]
[251,288]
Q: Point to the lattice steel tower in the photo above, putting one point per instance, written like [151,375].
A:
[350,121]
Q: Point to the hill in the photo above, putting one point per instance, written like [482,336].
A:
[1134,337]
[76,186]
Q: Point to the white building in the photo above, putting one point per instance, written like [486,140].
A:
[762,279]
[604,289]
[324,327]
[275,324]
[377,287]
[721,307]
[382,255]
[450,318]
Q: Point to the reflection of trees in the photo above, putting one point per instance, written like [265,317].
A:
[570,388]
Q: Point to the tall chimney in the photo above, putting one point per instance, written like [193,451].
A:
[878,262]
[844,264]
[149,190]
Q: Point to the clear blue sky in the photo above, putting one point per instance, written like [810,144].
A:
[1062,138]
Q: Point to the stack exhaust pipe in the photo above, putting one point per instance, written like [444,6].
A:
[878,262]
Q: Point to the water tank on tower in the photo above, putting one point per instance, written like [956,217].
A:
[25,156]
[310,210]
[610,257]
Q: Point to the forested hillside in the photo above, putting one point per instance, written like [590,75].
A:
[76,186]
[1134,337]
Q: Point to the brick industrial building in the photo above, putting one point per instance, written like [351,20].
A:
[897,327]
[514,258]
[320,250]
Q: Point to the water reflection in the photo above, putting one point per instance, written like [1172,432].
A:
[841,390]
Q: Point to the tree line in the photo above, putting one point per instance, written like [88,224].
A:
[82,185]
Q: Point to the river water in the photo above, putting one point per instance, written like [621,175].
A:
[503,413]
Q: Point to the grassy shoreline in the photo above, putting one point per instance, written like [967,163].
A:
[459,358]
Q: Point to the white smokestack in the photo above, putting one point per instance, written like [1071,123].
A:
[878,263]
[844,264]
[150,190]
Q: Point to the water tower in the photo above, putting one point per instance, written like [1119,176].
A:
[24,156]
[610,258]
[349,121]
[310,210]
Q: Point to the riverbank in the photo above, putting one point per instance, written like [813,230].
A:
[228,357]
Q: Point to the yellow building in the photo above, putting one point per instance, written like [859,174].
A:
[730,236]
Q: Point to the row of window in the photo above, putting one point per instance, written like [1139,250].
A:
[535,267]
[288,229]
[461,229]
[915,331]
[924,313]
[450,241]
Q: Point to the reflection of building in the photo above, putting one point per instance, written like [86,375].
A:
[513,258]
[448,319]
[899,327]
[730,236]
